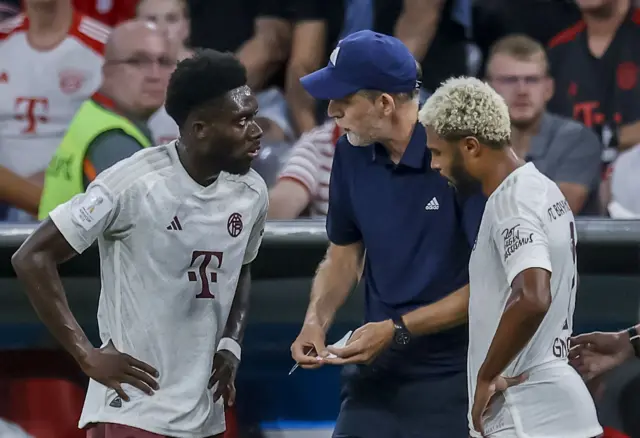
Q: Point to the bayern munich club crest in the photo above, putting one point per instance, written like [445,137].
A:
[235,225]
[71,81]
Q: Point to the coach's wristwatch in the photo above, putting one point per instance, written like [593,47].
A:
[402,336]
[634,338]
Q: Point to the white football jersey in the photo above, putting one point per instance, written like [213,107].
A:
[527,223]
[40,91]
[170,257]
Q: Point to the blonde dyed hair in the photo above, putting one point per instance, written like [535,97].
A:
[467,107]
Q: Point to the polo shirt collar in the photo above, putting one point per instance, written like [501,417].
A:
[414,155]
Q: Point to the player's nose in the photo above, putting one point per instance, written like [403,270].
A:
[255,131]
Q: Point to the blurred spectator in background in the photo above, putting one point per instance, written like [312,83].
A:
[303,184]
[50,62]
[9,8]
[278,41]
[19,192]
[622,189]
[172,19]
[595,66]
[109,12]
[258,31]
[564,150]
[316,27]
[435,32]
[111,126]
[539,19]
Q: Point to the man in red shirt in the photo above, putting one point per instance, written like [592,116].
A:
[110,12]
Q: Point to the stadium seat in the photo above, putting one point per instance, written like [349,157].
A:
[46,407]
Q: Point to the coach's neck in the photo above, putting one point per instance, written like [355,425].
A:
[401,126]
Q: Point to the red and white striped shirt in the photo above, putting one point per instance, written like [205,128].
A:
[310,162]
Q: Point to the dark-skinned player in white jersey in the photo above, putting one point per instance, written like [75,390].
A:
[177,226]
[522,273]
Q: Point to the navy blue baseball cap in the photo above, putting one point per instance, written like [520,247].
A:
[364,60]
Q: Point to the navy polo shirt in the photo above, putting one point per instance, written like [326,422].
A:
[418,234]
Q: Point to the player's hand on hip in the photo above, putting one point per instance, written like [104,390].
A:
[486,390]
[112,368]
[225,367]
[308,346]
[366,343]
[593,354]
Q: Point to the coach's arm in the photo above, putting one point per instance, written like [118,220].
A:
[449,312]
[452,309]
[335,277]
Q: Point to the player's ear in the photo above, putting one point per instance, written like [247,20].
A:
[199,130]
[471,145]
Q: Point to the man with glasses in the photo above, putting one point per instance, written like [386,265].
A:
[564,150]
[112,125]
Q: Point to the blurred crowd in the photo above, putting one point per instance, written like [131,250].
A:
[82,86]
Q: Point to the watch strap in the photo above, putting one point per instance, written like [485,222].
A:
[634,338]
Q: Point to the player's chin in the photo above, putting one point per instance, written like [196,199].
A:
[240,167]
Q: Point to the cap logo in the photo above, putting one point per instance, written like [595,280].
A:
[334,56]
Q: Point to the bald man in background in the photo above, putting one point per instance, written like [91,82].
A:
[138,61]
[112,125]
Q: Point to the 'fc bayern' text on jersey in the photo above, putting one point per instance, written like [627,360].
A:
[171,252]
[527,223]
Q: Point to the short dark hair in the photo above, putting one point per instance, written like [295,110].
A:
[201,79]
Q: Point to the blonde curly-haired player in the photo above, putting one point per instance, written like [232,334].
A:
[522,274]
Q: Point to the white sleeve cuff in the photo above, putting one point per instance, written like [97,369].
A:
[230,345]
[61,218]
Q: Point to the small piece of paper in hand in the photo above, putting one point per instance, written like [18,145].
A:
[341,343]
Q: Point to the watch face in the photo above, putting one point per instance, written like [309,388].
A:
[402,338]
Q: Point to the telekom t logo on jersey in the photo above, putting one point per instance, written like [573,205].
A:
[201,260]
[32,110]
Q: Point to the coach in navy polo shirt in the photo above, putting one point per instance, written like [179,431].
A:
[405,368]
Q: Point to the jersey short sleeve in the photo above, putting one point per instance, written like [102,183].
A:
[257,231]
[86,216]
[520,235]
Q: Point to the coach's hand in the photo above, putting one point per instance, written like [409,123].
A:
[365,344]
[305,349]
[485,391]
[225,367]
[110,367]
[593,354]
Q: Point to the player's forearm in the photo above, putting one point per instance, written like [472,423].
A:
[238,316]
[39,273]
[518,324]
[331,286]
[449,312]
